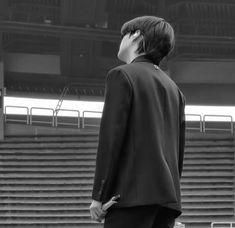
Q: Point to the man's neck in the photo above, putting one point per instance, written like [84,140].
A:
[132,56]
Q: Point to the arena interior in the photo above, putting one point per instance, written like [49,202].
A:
[62,50]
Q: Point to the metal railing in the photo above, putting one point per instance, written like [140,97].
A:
[225,224]
[200,128]
[54,119]
[61,99]
[77,124]
[83,119]
[205,128]
[51,121]
[17,120]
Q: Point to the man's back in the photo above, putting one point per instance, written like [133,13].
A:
[148,167]
[141,141]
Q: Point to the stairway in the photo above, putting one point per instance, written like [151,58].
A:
[46,181]
[208,179]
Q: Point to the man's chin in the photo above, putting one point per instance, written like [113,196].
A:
[121,57]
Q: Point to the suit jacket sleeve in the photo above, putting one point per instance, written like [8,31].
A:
[112,130]
[182,134]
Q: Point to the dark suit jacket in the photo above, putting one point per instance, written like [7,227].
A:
[141,139]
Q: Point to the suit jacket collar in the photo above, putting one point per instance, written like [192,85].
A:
[141,58]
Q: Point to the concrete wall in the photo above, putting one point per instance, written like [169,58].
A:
[32,63]
[205,82]
[202,82]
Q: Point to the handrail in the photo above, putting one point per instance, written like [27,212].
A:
[40,121]
[223,223]
[54,118]
[17,120]
[200,122]
[218,129]
[83,118]
[65,123]
[61,99]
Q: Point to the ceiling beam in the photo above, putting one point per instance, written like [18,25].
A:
[59,31]
[100,34]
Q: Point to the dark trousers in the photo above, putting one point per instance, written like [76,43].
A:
[150,216]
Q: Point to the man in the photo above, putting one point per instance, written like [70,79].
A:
[142,133]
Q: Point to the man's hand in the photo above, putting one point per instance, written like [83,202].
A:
[96,211]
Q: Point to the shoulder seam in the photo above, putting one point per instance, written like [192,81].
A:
[125,76]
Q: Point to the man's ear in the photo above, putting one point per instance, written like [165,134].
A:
[136,36]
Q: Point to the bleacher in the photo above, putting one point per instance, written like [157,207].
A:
[46,180]
[208,179]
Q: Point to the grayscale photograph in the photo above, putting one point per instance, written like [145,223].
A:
[117,113]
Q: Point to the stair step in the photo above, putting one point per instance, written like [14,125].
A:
[46,182]
[205,189]
[187,224]
[208,174]
[48,192]
[207,199]
[87,186]
[208,206]
[47,210]
[47,169]
[53,220]
[46,175]
[197,197]
[90,224]
[206,186]
[209,143]
[215,203]
[48,145]
[196,213]
[202,181]
[44,195]
[11,191]
[187,168]
[46,163]
[207,193]
[48,224]
[36,139]
[45,151]
[208,135]
[14,211]
[208,161]
[46,201]
[40,158]
[211,155]
[19,208]
[202,150]
[77,133]
[59,209]
[39,187]
[45,214]
[209,219]
[56,222]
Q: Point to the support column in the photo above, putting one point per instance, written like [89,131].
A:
[1,91]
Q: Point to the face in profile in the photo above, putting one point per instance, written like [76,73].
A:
[128,44]
[124,48]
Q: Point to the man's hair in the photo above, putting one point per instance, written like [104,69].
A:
[158,36]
